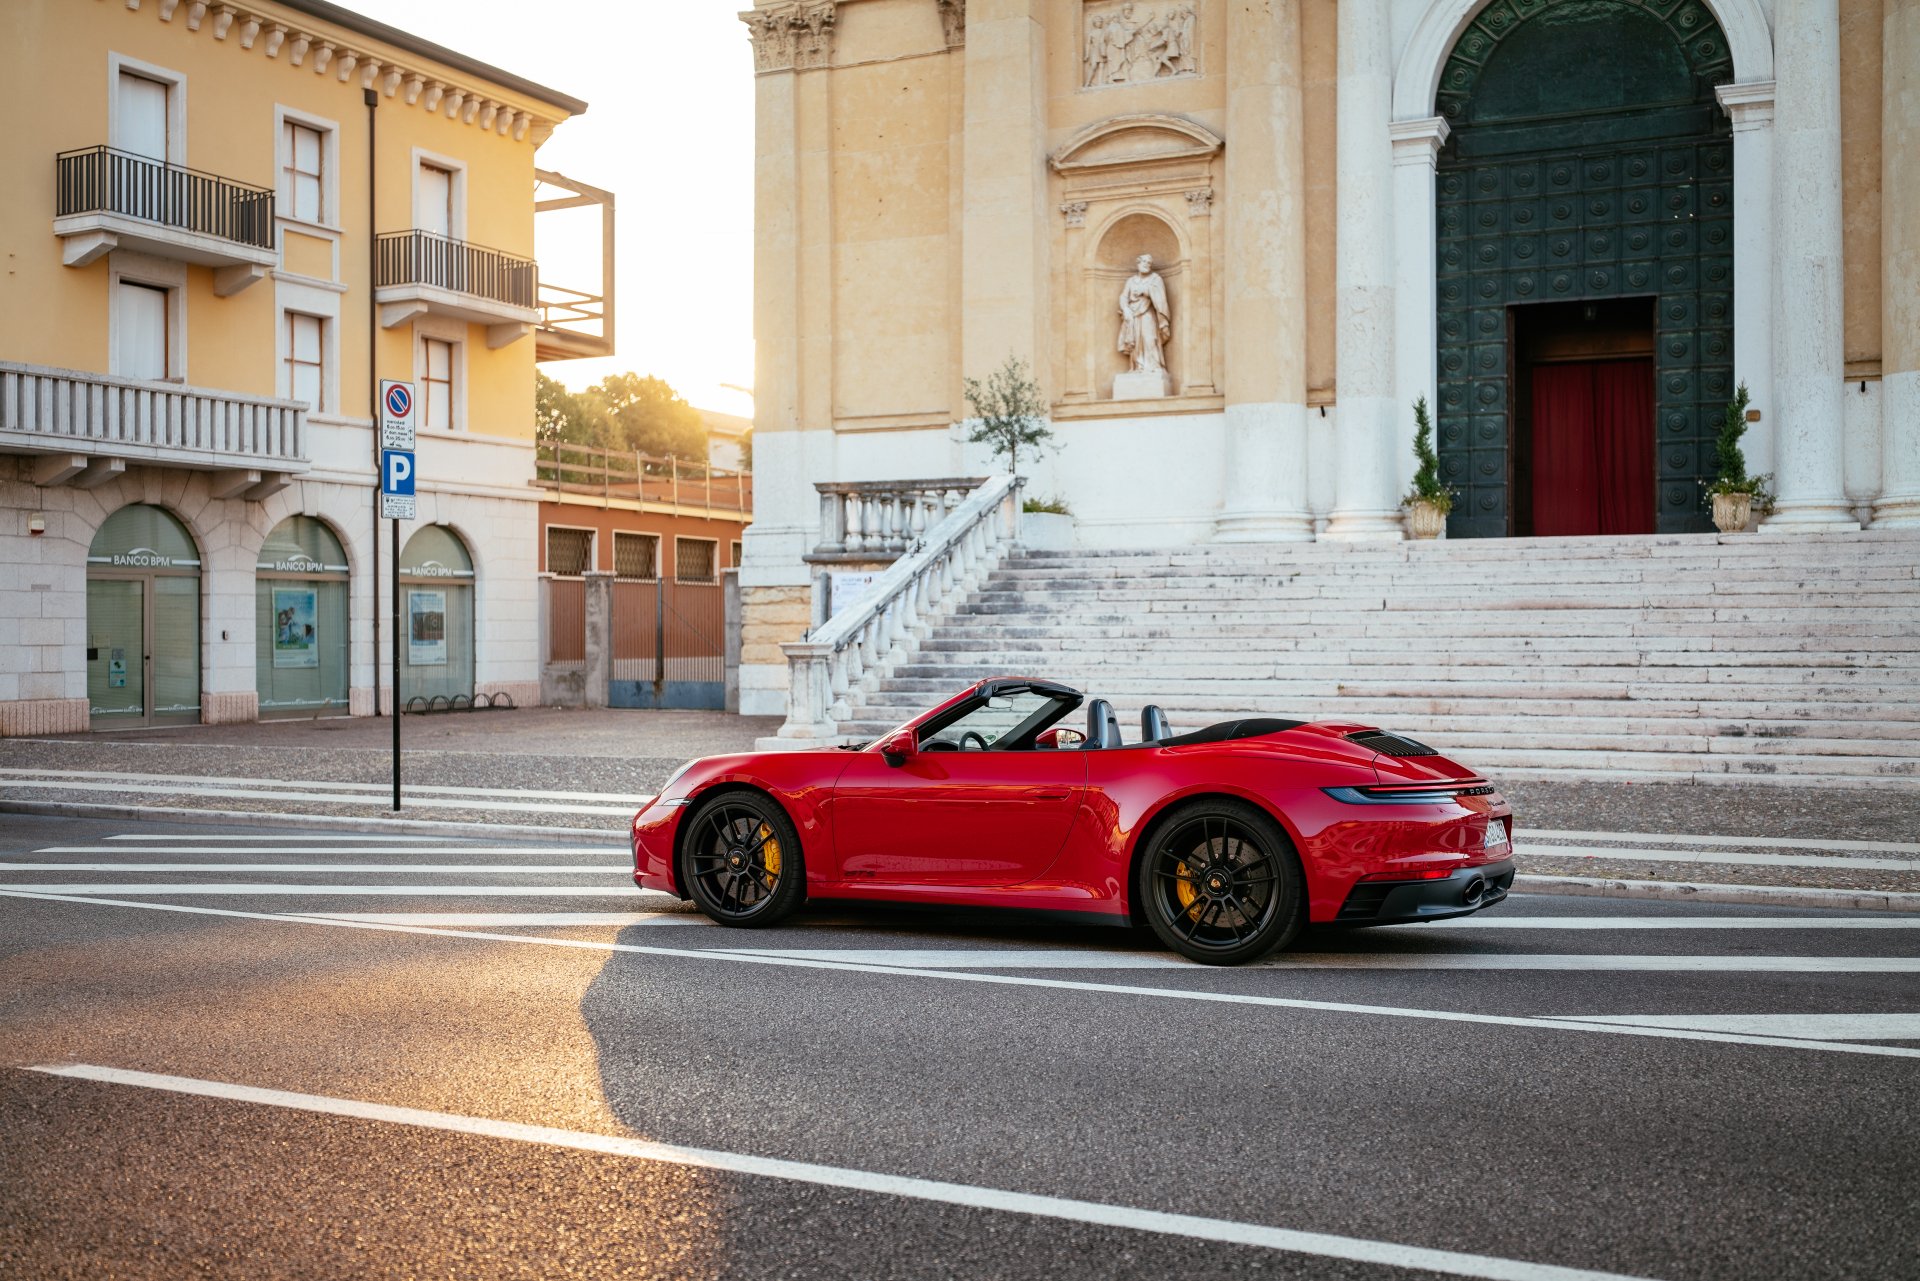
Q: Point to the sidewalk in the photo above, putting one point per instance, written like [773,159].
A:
[560,768]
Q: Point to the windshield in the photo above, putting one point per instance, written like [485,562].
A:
[1005,722]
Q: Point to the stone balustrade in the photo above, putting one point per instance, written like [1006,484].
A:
[57,411]
[850,653]
[877,519]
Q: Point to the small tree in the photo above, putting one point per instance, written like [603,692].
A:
[1426,479]
[1730,461]
[1009,413]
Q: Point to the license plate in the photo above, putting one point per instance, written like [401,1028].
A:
[1497,835]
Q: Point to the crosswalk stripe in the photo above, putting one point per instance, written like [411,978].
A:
[1494,922]
[505,920]
[1091,959]
[423,869]
[200,788]
[32,777]
[200,889]
[1722,842]
[358,851]
[1862,862]
[1812,1027]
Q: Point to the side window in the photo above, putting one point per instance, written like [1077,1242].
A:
[569,551]
[986,726]
[693,560]
[142,323]
[303,152]
[636,555]
[306,359]
[436,383]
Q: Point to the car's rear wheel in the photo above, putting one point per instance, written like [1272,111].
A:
[740,860]
[1220,883]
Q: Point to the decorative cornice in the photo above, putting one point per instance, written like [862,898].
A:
[250,28]
[1418,141]
[794,36]
[1750,105]
[953,21]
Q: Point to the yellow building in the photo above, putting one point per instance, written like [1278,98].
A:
[224,223]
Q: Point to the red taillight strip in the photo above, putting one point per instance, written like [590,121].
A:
[1410,793]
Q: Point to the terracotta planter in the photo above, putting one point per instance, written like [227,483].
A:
[1730,512]
[1424,519]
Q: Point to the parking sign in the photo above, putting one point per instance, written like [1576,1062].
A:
[396,415]
[396,484]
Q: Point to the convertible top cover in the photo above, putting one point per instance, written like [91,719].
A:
[1248,727]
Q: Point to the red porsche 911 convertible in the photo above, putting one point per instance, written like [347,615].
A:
[1226,841]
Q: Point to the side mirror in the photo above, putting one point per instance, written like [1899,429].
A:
[1060,738]
[898,748]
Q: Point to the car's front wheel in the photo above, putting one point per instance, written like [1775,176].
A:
[1220,883]
[740,860]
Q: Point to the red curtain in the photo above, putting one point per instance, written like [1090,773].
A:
[1593,448]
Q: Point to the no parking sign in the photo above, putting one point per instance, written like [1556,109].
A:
[396,415]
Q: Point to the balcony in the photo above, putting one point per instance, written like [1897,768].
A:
[86,428]
[420,273]
[108,199]
[574,323]
[631,479]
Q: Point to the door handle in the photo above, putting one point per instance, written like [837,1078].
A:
[1047,794]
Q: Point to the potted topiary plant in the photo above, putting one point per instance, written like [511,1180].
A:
[1046,524]
[1429,501]
[1736,495]
[1010,416]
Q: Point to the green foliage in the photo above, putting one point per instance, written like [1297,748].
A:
[1009,413]
[1426,480]
[625,412]
[1730,461]
[1054,506]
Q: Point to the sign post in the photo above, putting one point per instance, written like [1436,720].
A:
[396,505]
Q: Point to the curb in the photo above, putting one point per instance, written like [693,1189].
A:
[1761,895]
[339,822]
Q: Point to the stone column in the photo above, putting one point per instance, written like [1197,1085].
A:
[1899,502]
[1750,107]
[1005,307]
[1266,374]
[1416,340]
[793,427]
[1808,358]
[1368,430]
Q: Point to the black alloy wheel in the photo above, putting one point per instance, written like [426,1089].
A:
[1220,883]
[740,860]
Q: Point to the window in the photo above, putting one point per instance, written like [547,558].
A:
[693,560]
[140,330]
[304,149]
[635,555]
[1004,722]
[569,551]
[435,211]
[141,116]
[436,380]
[306,361]
[733,550]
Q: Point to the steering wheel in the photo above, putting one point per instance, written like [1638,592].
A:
[977,737]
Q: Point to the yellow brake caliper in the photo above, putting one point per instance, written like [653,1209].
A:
[1184,888]
[769,850]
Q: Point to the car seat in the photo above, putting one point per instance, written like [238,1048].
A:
[1103,727]
[1153,724]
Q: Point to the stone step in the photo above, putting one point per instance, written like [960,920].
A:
[1677,653]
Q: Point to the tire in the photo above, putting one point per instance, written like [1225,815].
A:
[740,861]
[1219,883]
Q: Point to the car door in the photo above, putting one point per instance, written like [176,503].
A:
[955,817]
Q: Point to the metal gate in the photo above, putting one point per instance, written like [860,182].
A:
[669,644]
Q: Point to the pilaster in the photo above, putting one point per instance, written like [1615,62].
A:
[1750,108]
[1899,502]
[1416,339]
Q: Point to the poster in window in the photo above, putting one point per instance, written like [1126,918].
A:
[295,638]
[427,629]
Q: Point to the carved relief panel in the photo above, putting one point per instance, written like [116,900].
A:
[1131,41]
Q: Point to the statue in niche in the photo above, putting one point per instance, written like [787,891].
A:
[1146,323]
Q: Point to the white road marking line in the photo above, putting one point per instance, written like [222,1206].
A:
[1530,850]
[328,891]
[426,802]
[970,1196]
[1812,1027]
[256,836]
[1002,980]
[1092,959]
[1721,842]
[424,869]
[503,920]
[1676,923]
[28,777]
[358,851]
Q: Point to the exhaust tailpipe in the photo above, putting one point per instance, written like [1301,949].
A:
[1474,890]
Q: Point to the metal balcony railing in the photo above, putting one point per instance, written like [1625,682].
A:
[104,180]
[426,258]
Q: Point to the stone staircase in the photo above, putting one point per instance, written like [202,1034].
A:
[1750,657]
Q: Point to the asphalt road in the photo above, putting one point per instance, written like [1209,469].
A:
[480,1058]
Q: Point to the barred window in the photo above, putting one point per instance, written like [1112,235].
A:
[569,551]
[733,550]
[635,555]
[693,560]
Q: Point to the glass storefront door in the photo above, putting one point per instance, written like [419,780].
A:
[436,590]
[300,621]
[143,621]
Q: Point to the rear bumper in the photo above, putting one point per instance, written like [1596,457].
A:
[1389,902]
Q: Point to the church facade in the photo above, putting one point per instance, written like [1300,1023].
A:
[1235,241]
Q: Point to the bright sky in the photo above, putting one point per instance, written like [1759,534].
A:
[668,130]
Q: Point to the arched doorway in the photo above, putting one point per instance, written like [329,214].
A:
[1584,267]
[436,588]
[143,621]
[300,620]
